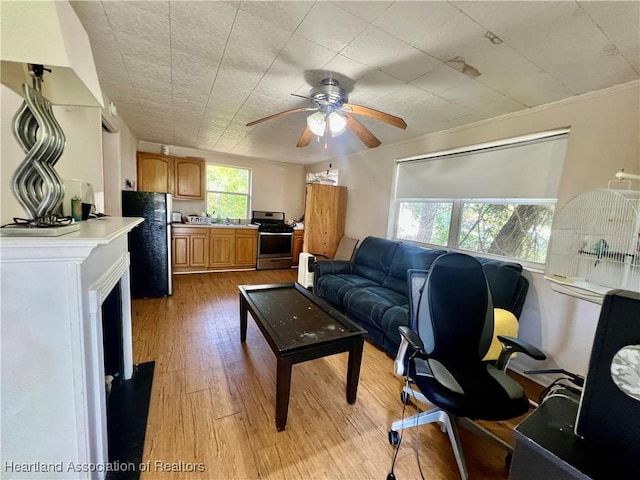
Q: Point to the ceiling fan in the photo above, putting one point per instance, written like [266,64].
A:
[333,115]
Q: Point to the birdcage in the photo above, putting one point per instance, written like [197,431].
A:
[595,244]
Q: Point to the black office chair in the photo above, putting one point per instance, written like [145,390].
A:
[451,310]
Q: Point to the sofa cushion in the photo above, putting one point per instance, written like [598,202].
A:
[503,280]
[374,258]
[387,294]
[408,256]
[335,287]
[370,304]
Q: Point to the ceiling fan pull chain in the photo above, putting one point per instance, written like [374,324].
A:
[326,132]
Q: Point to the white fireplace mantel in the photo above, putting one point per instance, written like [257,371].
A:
[52,371]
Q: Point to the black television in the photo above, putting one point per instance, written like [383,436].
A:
[608,415]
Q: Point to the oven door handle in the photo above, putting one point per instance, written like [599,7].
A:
[274,233]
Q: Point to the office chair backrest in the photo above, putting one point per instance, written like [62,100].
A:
[416,279]
[455,312]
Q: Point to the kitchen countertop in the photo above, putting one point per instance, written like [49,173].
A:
[216,225]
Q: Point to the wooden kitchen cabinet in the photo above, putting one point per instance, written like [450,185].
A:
[207,249]
[246,248]
[199,246]
[182,177]
[324,217]
[221,246]
[155,173]
[188,183]
[180,250]
[190,247]
[297,248]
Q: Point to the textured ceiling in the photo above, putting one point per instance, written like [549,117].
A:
[194,73]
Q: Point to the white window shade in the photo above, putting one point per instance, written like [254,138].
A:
[519,170]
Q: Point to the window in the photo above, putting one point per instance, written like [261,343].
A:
[510,229]
[424,222]
[493,198]
[228,191]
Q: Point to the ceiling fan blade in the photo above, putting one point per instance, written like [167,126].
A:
[280,114]
[378,115]
[305,138]
[362,132]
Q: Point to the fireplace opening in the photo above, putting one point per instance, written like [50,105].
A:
[112,339]
[127,399]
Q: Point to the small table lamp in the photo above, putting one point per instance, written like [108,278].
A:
[39,37]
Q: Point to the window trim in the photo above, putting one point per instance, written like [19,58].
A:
[249,187]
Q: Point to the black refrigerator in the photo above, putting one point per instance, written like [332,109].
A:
[149,242]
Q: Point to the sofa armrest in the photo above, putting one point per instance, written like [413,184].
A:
[326,267]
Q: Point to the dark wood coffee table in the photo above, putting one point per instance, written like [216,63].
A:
[300,326]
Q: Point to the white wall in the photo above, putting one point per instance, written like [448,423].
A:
[112,173]
[82,156]
[275,186]
[604,138]
[561,325]
[119,161]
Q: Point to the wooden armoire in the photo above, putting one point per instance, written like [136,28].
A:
[324,216]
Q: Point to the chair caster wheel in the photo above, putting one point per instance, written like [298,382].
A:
[405,398]
[394,437]
[508,459]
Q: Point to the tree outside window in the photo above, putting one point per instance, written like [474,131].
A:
[509,229]
[228,191]
[424,222]
[512,230]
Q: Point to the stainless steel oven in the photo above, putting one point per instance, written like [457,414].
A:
[275,239]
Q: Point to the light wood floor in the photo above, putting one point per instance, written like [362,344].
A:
[213,400]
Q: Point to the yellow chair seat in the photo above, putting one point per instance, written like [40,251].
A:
[505,323]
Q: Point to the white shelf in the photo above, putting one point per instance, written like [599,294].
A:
[579,289]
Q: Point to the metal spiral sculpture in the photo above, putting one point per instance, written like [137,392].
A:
[35,183]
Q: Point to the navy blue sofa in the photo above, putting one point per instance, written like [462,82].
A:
[372,289]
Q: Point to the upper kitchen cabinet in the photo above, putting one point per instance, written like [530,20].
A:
[155,173]
[182,177]
[188,178]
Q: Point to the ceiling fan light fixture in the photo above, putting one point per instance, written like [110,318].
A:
[316,123]
[337,123]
